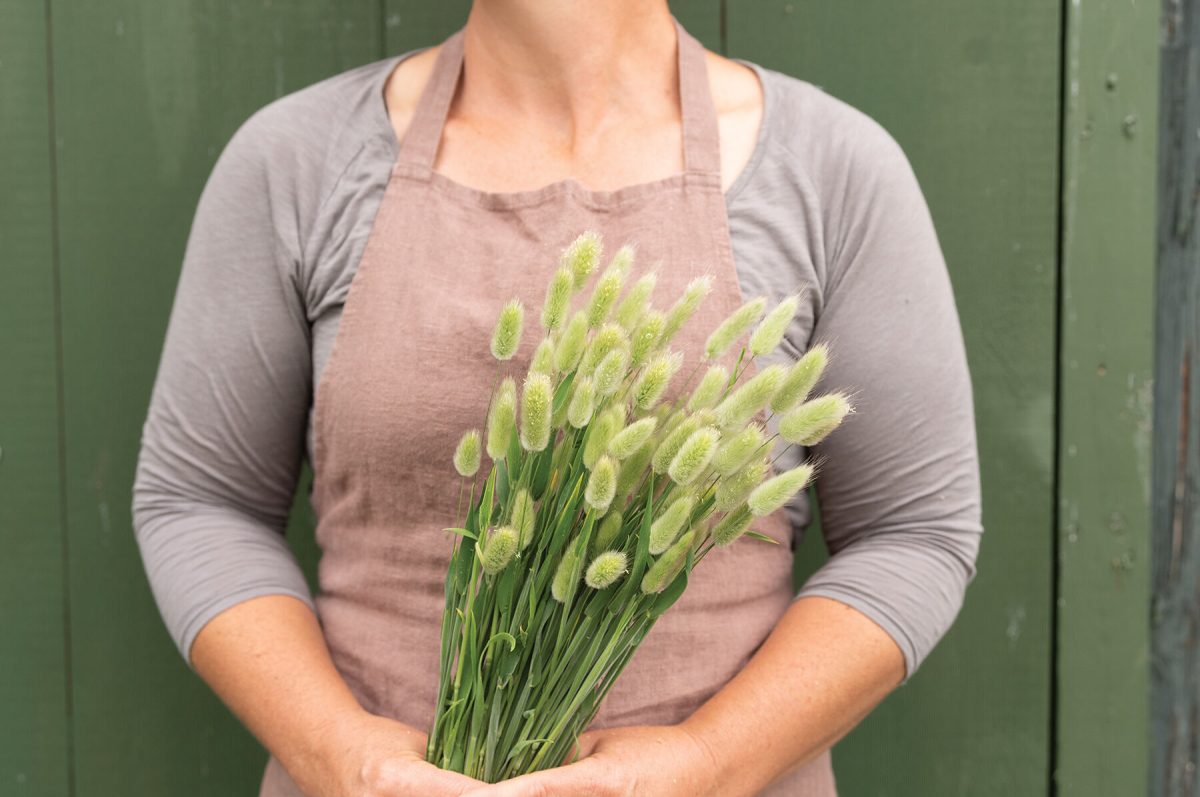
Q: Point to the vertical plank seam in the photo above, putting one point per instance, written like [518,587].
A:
[1064,27]
[383,53]
[723,25]
[60,399]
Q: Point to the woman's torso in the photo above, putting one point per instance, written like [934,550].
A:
[774,219]
[438,255]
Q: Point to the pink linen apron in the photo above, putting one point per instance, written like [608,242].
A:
[410,371]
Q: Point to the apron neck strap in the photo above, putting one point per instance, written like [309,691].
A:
[701,138]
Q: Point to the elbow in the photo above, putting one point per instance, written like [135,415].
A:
[912,582]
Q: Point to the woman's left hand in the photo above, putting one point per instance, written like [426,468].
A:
[643,760]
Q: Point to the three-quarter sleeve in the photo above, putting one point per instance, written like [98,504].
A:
[223,440]
[898,482]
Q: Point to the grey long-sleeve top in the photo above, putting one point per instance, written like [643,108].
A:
[827,200]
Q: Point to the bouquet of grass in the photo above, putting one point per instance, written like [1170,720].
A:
[601,498]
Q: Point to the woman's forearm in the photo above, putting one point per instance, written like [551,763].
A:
[267,659]
[822,669]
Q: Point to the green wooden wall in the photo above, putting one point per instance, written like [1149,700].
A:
[111,117]
[1175,703]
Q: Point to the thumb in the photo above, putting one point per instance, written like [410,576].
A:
[571,779]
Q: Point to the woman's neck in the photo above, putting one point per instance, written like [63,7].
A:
[577,67]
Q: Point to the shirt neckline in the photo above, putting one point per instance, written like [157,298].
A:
[379,112]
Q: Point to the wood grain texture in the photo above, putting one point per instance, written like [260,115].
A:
[979,125]
[1175,701]
[147,94]
[1105,387]
[411,24]
[34,691]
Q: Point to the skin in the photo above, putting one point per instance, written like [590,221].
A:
[556,89]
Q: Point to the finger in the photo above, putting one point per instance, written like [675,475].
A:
[585,746]
[583,778]
[423,778]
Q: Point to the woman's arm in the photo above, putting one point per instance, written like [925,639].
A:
[820,672]
[220,456]
[267,660]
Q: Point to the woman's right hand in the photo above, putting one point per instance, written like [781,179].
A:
[267,659]
[372,756]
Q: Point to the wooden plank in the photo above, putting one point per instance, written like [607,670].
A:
[147,94]
[979,124]
[1175,484]
[35,732]
[411,24]
[1105,385]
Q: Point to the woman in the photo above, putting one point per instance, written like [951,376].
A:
[391,208]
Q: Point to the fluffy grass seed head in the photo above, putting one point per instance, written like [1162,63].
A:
[583,402]
[686,306]
[604,295]
[666,527]
[566,575]
[637,301]
[506,337]
[813,420]
[607,532]
[582,256]
[499,549]
[537,399]
[501,419]
[468,453]
[742,404]
[733,327]
[570,345]
[607,339]
[666,567]
[733,490]
[634,468]
[625,442]
[646,336]
[524,517]
[600,432]
[611,371]
[801,378]
[650,385]
[602,484]
[778,490]
[737,449]
[694,455]
[768,334]
[674,441]
[732,526]
[622,260]
[711,386]
[543,358]
[558,298]
[605,569]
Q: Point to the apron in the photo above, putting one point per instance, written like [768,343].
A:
[410,370]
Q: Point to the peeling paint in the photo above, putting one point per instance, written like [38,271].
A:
[1140,402]
[1016,621]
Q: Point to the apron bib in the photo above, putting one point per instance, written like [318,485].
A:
[411,370]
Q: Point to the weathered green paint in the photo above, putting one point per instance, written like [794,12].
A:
[979,125]
[411,23]
[34,695]
[1176,451]
[1106,356]
[147,93]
